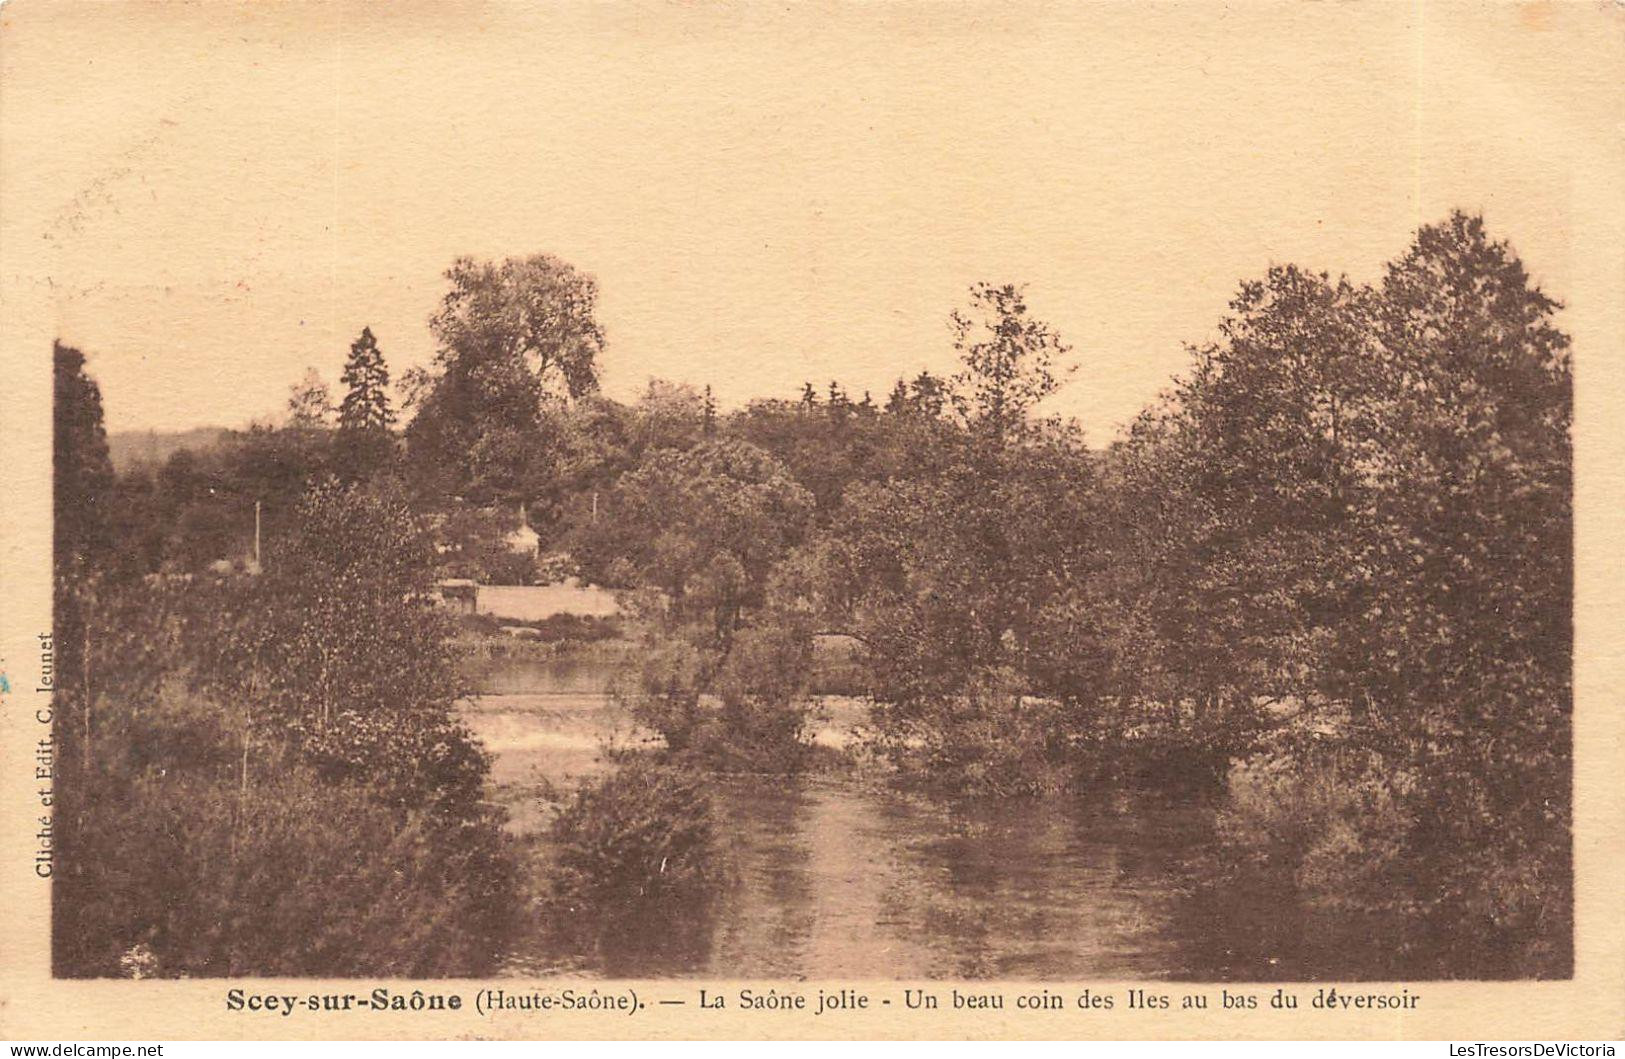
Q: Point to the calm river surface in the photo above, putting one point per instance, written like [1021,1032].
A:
[834,877]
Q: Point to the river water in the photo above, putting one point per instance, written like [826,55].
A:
[833,877]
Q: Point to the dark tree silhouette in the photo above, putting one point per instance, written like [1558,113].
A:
[365,415]
[512,336]
[365,408]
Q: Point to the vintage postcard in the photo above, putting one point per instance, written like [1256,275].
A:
[834,520]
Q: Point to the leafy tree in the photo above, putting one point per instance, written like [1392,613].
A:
[310,403]
[704,526]
[1470,536]
[1468,600]
[1009,361]
[82,492]
[943,568]
[537,310]
[341,646]
[944,576]
[511,336]
[1250,477]
[668,415]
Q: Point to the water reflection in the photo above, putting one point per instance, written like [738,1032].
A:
[838,879]
[830,877]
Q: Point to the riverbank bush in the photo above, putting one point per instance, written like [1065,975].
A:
[290,876]
[739,707]
[992,740]
[1167,745]
[263,775]
[636,861]
[1350,841]
[641,836]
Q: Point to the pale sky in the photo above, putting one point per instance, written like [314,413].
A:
[220,196]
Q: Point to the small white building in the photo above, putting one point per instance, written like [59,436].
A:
[524,540]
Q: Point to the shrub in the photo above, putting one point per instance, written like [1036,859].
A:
[641,837]
[292,876]
[739,707]
[1368,861]
[582,628]
[990,740]
[1159,744]
[664,693]
[1334,821]
[763,718]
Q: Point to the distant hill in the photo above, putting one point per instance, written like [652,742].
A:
[131,449]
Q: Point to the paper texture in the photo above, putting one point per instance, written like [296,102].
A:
[207,199]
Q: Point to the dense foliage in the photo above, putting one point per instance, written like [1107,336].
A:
[512,336]
[263,774]
[641,836]
[638,866]
[1327,575]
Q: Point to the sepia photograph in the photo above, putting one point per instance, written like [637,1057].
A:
[951,493]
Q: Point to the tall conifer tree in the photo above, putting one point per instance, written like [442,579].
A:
[365,415]
[366,380]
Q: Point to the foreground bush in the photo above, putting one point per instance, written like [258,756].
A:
[642,837]
[636,866]
[1357,851]
[293,876]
